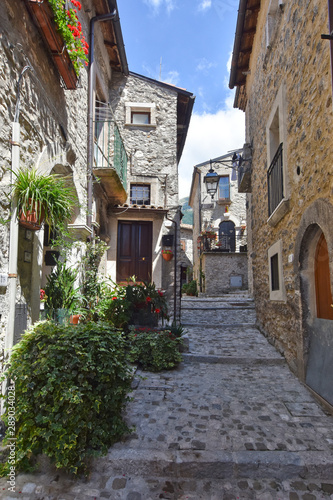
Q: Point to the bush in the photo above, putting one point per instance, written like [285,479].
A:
[190,288]
[126,304]
[154,350]
[71,386]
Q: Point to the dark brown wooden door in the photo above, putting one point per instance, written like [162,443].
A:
[134,250]
[323,281]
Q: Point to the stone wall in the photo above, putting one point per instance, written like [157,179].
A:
[53,134]
[296,63]
[224,272]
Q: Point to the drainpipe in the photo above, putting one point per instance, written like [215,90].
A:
[14,228]
[90,148]
[175,271]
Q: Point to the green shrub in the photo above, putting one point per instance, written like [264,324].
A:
[71,386]
[154,350]
[190,288]
[124,304]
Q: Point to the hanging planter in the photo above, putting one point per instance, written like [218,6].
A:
[32,218]
[167,254]
[62,33]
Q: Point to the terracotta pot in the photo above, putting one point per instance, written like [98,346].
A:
[74,319]
[167,256]
[29,220]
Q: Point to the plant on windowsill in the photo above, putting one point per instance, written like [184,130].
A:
[40,197]
[167,254]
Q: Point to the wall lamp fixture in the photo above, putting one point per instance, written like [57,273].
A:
[211,179]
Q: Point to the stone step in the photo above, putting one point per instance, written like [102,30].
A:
[201,464]
[206,358]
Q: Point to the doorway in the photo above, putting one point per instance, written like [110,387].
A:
[134,250]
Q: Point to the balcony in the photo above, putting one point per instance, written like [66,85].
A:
[110,157]
[43,17]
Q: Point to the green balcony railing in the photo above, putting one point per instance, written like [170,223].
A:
[109,149]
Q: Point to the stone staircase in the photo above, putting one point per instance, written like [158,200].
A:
[231,422]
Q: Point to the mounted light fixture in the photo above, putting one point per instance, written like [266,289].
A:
[212,178]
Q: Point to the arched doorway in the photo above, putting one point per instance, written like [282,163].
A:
[227,236]
[316,297]
[323,281]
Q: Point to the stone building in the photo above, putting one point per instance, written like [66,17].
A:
[281,68]
[219,258]
[93,129]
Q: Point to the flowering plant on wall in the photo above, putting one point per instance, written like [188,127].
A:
[70,28]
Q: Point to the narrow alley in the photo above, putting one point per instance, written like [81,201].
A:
[232,422]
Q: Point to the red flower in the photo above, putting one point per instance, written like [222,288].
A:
[114,298]
[41,294]
[160,293]
[148,299]
[157,310]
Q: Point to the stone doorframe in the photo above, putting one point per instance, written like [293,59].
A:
[316,220]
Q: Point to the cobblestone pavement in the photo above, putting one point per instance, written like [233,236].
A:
[231,422]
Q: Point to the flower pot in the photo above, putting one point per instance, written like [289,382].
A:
[74,319]
[167,256]
[30,220]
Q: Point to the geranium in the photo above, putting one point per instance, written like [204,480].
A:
[70,29]
[42,295]
[157,310]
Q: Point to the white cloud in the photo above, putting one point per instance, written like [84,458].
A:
[205,65]
[209,136]
[205,4]
[156,4]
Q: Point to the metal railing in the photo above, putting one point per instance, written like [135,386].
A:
[275,181]
[109,149]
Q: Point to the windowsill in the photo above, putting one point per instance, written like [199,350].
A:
[140,125]
[223,201]
[280,211]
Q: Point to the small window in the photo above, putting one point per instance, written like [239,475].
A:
[275,285]
[140,113]
[183,245]
[140,118]
[275,269]
[224,188]
[140,194]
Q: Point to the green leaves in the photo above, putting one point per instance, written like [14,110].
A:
[154,350]
[71,387]
[52,195]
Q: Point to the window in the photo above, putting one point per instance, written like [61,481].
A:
[142,114]
[224,188]
[277,182]
[275,272]
[276,281]
[140,118]
[140,194]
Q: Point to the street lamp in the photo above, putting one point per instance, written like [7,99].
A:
[212,178]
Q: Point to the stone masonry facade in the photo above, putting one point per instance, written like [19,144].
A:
[289,91]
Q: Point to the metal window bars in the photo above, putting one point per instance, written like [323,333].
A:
[275,181]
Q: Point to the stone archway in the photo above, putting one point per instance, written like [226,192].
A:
[316,335]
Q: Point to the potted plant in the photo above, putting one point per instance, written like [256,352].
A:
[40,197]
[62,298]
[167,254]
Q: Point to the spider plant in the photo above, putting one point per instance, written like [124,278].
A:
[51,196]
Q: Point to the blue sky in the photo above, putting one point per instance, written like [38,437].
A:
[189,43]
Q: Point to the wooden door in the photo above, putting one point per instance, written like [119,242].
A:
[134,250]
[323,281]
[319,371]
